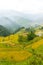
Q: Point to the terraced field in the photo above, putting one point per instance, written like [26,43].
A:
[17,54]
[14,55]
[37,44]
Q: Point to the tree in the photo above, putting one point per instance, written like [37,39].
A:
[31,35]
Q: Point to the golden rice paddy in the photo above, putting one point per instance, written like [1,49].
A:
[15,55]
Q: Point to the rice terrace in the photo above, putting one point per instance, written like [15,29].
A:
[21,40]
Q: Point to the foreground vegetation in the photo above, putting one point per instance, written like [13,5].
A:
[23,48]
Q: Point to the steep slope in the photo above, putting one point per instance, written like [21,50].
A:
[16,17]
[9,24]
[3,31]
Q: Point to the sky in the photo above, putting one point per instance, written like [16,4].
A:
[24,6]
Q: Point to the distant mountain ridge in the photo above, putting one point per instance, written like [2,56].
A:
[9,24]
[13,21]
[19,18]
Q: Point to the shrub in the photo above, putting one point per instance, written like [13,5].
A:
[31,36]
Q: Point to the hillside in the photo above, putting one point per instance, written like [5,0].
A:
[3,31]
[9,24]
[21,39]
[20,18]
[17,54]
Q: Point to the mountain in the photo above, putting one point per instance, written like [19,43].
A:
[3,31]
[13,20]
[9,24]
[15,17]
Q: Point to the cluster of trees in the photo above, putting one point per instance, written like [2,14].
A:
[30,36]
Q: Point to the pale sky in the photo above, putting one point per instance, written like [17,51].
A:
[24,6]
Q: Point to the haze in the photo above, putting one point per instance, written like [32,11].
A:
[24,6]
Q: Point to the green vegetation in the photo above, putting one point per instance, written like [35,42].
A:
[22,48]
[3,31]
[31,36]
